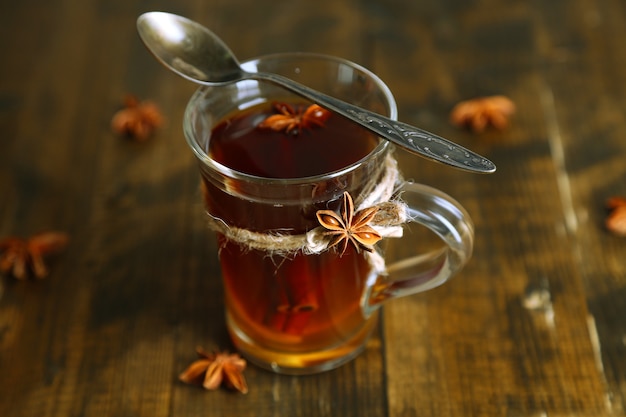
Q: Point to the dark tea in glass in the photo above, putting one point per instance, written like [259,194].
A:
[297,305]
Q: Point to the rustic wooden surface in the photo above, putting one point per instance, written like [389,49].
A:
[107,333]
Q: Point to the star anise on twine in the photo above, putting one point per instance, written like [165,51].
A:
[478,113]
[23,256]
[350,226]
[137,120]
[293,120]
[211,370]
[616,220]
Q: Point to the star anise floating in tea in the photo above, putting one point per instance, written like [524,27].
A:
[478,113]
[293,119]
[137,120]
[616,220]
[349,226]
[21,257]
[211,370]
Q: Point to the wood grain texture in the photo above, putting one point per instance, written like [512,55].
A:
[536,323]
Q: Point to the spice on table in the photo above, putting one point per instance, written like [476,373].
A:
[350,226]
[211,370]
[478,113]
[20,256]
[293,119]
[616,220]
[137,119]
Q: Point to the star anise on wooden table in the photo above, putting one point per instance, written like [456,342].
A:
[213,369]
[137,120]
[616,220]
[293,119]
[23,256]
[478,113]
[349,226]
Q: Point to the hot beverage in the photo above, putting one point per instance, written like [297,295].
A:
[297,303]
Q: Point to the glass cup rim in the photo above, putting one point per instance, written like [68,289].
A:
[204,158]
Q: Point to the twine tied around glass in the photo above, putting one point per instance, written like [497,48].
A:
[391,213]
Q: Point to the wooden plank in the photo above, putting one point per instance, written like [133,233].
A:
[593,151]
[355,388]
[475,347]
[92,339]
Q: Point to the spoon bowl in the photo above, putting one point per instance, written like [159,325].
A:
[197,54]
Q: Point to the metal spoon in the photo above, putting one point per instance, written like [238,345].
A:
[194,52]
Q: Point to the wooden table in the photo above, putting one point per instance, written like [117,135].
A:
[534,326]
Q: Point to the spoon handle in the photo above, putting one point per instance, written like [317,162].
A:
[408,137]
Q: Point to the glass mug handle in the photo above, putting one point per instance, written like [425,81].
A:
[445,217]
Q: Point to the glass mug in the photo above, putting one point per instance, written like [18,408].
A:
[295,303]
